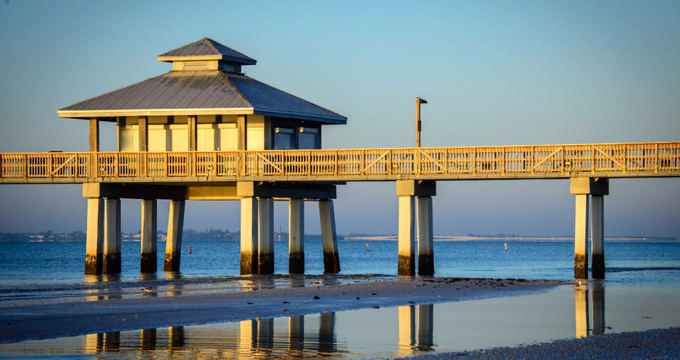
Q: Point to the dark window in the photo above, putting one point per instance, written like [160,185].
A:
[284,138]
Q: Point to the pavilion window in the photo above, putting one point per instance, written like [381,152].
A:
[309,138]
[284,138]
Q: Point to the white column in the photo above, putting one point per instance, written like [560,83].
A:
[331,260]
[581,237]
[173,243]
[407,251]
[248,236]
[95,237]
[597,240]
[296,233]
[149,241]
[111,236]
[265,235]
[425,236]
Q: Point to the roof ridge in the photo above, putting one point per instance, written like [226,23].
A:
[224,75]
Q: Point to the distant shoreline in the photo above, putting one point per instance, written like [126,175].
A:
[508,238]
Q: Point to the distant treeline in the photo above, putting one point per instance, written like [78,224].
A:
[187,235]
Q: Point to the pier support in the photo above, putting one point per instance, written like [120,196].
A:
[112,236]
[265,235]
[173,242]
[296,231]
[331,259]
[584,188]
[95,238]
[149,241]
[248,236]
[415,206]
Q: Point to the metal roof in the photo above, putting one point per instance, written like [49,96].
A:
[200,93]
[208,48]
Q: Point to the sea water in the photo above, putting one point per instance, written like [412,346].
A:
[641,291]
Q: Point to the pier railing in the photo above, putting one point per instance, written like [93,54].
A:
[488,162]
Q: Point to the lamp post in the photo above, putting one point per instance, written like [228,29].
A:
[418,122]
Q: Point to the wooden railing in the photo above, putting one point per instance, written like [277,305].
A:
[538,161]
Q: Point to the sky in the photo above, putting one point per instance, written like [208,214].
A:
[493,73]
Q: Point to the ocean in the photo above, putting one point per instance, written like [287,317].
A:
[641,291]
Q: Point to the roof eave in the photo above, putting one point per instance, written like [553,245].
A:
[339,120]
[88,114]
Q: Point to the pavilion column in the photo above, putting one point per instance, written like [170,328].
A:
[112,236]
[143,132]
[173,243]
[149,260]
[331,259]
[94,146]
[296,230]
[585,188]
[249,236]
[265,235]
[407,250]
[95,238]
[241,126]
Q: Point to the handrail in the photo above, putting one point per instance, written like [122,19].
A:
[536,161]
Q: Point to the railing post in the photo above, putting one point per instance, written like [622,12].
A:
[25,166]
[337,155]
[656,158]
[49,166]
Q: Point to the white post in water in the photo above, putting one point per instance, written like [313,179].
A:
[296,231]
[248,236]
[95,237]
[584,188]
[265,235]
[149,241]
[173,243]
[406,247]
[112,236]
[331,260]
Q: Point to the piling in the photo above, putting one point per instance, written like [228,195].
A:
[112,259]
[95,239]
[173,243]
[265,235]
[425,238]
[248,236]
[581,237]
[296,228]
[331,259]
[406,247]
[149,240]
[597,231]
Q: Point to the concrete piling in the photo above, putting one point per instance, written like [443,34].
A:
[425,236]
[581,238]
[148,259]
[584,189]
[597,233]
[249,236]
[296,228]
[406,245]
[94,247]
[173,243]
[265,235]
[331,259]
[112,261]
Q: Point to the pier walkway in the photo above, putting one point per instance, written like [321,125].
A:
[623,160]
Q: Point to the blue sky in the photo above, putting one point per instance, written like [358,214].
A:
[493,72]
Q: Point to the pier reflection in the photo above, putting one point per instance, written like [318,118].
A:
[589,308]
[416,325]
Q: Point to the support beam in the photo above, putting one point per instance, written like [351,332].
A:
[265,235]
[581,237]
[597,236]
[112,236]
[94,135]
[331,259]
[241,126]
[192,131]
[425,236]
[143,129]
[149,260]
[296,233]
[249,236]
[94,248]
[407,249]
[173,243]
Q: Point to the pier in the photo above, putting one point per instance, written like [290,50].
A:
[206,131]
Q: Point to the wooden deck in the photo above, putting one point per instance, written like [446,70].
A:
[624,160]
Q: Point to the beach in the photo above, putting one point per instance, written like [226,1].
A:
[174,307]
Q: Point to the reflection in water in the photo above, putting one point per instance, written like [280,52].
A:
[415,329]
[102,342]
[96,294]
[589,301]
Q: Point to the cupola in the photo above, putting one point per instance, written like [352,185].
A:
[206,54]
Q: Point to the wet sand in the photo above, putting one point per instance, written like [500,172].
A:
[650,344]
[160,308]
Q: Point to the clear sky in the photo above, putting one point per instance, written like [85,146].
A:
[493,72]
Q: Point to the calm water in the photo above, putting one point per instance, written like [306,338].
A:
[642,291]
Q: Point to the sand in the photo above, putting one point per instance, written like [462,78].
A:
[650,344]
[154,308]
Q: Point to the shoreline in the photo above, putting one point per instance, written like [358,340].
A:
[171,307]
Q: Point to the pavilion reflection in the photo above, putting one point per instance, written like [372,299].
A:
[589,309]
